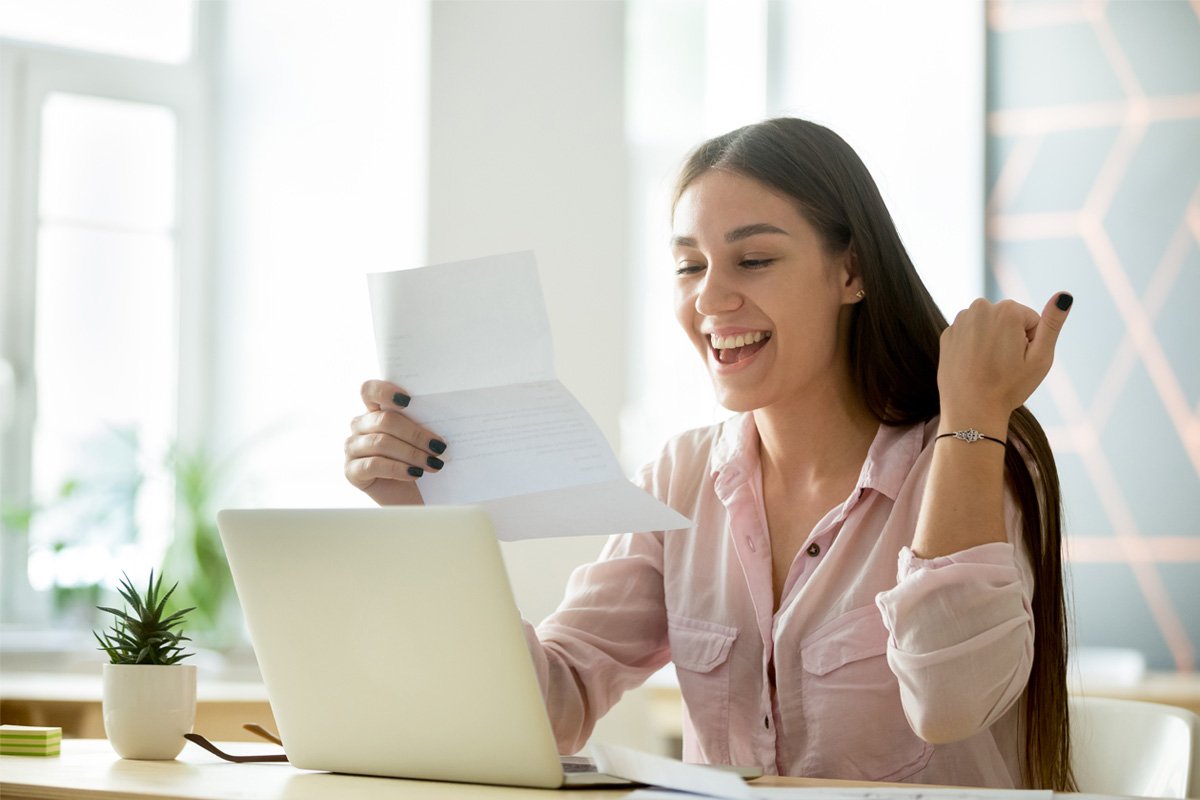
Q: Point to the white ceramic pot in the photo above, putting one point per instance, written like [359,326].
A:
[148,708]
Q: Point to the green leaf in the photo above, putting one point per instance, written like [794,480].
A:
[177,617]
[162,605]
[140,634]
[17,518]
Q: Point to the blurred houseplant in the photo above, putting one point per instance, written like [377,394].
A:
[88,521]
[96,524]
[195,553]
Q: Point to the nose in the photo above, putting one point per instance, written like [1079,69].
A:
[716,294]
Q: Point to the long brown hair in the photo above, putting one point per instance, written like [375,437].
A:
[894,346]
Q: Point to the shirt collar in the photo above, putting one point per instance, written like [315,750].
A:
[889,460]
[735,455]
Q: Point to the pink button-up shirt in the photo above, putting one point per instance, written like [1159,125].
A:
[877,665]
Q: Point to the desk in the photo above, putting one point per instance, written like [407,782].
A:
[1180,689]
[89,769]
[72,702]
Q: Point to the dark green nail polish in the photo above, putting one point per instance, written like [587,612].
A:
[434,462]
[1064,301]
[437,446]
[401,399]
[416,472]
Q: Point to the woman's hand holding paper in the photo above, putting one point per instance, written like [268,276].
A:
[387,451]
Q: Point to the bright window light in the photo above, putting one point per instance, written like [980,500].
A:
[106,338]
[107,162]
[158,30]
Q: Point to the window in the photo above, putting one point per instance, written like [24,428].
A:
[105,335]
[157,30]
[100,217]
[175,309]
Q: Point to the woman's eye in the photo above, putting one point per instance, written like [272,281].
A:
[757,263]
[688,269]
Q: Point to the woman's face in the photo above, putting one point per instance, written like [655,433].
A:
[762,300]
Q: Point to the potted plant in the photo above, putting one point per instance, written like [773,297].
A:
[149,698]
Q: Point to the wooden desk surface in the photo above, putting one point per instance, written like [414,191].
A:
[89,769]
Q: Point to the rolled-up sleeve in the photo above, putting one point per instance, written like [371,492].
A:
[961,636]
[608,635]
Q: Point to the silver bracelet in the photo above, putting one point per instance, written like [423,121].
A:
[971,435]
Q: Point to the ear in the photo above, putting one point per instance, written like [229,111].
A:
[850,276]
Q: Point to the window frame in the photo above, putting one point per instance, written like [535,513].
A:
[29,73]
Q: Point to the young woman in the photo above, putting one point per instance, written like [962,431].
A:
[872,588]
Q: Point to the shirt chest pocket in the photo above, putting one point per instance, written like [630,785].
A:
[700,651]
[854,721]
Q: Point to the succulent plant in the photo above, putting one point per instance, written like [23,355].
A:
[141,634]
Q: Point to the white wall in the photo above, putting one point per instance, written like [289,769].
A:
[367,136]
[322,179]
[526,151]
[903,83]
[331,169]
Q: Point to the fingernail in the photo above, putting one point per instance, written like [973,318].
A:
[1064,301]
[437,446]
[401,399]
[416,472]
[434,462]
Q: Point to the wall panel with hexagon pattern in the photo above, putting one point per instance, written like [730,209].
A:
[1094,186]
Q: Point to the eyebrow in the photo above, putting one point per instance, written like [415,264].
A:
[735,235]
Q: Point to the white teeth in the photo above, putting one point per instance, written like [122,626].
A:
[740,340]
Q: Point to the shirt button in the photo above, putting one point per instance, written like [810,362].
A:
[814,549]
[767,722]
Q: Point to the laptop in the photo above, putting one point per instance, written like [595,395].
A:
[390,644]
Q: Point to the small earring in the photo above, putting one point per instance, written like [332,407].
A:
[861,294]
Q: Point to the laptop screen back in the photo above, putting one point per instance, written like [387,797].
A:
[390,644]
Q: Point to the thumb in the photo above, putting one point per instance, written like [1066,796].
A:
[1054,316]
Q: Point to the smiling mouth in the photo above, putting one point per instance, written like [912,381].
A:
[732,349]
